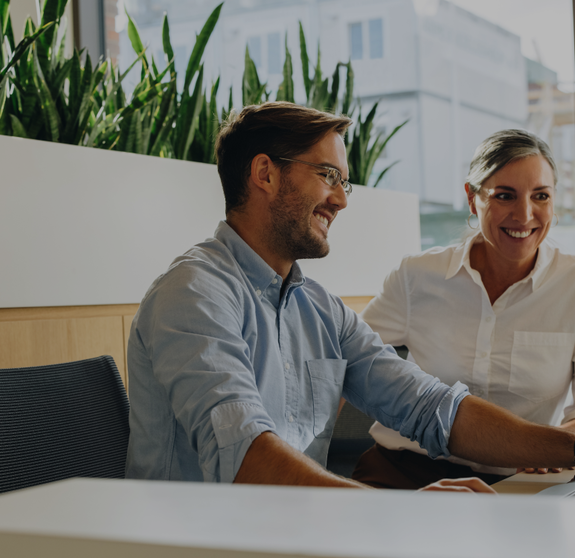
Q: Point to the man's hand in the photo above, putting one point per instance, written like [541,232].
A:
[570,426]
[270,460]
[472,484]
[485,433]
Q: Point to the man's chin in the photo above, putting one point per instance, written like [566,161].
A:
[314,252]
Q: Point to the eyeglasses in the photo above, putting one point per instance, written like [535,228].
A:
[332,178]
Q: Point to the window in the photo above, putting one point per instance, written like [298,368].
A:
[356,41]
[459,70]
[255,48]
[274,53]
[376,38]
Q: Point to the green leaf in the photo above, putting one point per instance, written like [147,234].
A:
[286,88]
[186,123]
[17,129]
[50,13]
[21,49]
[62,7]
[383,172]
[333,96]
[304,62]
[29,27]
[49,111]
[137,44]
[4,15]
[199,47]
[4,121]
[137,145]
[252,89]
[5,31]
[166,108]
[167,44]
[348,95]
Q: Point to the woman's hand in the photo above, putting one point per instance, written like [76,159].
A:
[471,484]
[542,470]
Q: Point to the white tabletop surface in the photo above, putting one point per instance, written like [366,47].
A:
[231,520]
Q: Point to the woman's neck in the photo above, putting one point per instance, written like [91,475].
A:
[496,273]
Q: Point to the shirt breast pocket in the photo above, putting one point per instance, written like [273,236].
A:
[326,376]
[541,364]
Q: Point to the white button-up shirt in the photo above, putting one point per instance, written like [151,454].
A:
[517,353]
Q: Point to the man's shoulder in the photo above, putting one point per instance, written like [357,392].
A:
[206,266]
[320,297]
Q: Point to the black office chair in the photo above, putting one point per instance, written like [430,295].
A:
[61,421]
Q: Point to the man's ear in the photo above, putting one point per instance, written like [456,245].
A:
[264,174]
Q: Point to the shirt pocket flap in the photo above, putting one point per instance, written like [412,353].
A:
[326,377]
[541,364]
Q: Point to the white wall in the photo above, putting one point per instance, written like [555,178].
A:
[83,226]
[21,9]
[19,12]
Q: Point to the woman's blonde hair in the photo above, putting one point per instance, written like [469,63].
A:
[502,148]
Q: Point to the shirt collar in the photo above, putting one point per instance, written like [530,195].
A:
[257,271]
[461,258]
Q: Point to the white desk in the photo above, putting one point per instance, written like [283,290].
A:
[534,483]
[106,518]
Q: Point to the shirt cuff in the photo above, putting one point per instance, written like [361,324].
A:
[236,425]
[445,415]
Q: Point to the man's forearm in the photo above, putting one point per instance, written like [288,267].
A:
[270,460]
[488,434]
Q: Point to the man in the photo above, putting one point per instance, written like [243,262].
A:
[237,362]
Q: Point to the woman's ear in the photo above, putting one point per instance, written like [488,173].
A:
[264,174]
[470,198]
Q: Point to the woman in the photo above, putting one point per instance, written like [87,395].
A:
[495,312]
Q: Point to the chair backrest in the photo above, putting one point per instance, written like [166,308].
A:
[61,421]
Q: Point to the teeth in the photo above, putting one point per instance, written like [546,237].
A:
[517,234]
[321,219]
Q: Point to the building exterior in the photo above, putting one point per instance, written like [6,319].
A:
[551,117]
[455,76]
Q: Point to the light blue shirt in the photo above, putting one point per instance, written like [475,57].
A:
[218,354]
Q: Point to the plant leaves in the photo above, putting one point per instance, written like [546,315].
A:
[286,88]
[22,47]
[167,44]
[137,44]
[199,47]
[17,129]
[307,82]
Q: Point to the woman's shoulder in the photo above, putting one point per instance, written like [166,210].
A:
[437,258]
[555,254]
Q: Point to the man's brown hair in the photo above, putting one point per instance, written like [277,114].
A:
[277,129]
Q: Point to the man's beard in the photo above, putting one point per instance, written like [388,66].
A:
[291,233]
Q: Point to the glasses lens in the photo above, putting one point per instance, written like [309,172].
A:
[333,177]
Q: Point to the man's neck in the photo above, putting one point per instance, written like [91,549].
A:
[254,233]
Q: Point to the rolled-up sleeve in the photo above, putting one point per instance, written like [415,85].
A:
[192,328]
[395,392]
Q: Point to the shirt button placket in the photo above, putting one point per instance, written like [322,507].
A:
[481,368]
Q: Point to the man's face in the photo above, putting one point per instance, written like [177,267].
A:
[305,205]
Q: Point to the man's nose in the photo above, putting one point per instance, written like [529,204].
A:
[338,197]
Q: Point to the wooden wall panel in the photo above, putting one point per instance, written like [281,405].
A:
[127,323]
[36,336]
[357,303]
[37,342]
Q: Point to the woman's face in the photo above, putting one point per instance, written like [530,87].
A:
[515,210]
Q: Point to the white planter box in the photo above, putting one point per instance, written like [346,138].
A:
[83,226]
